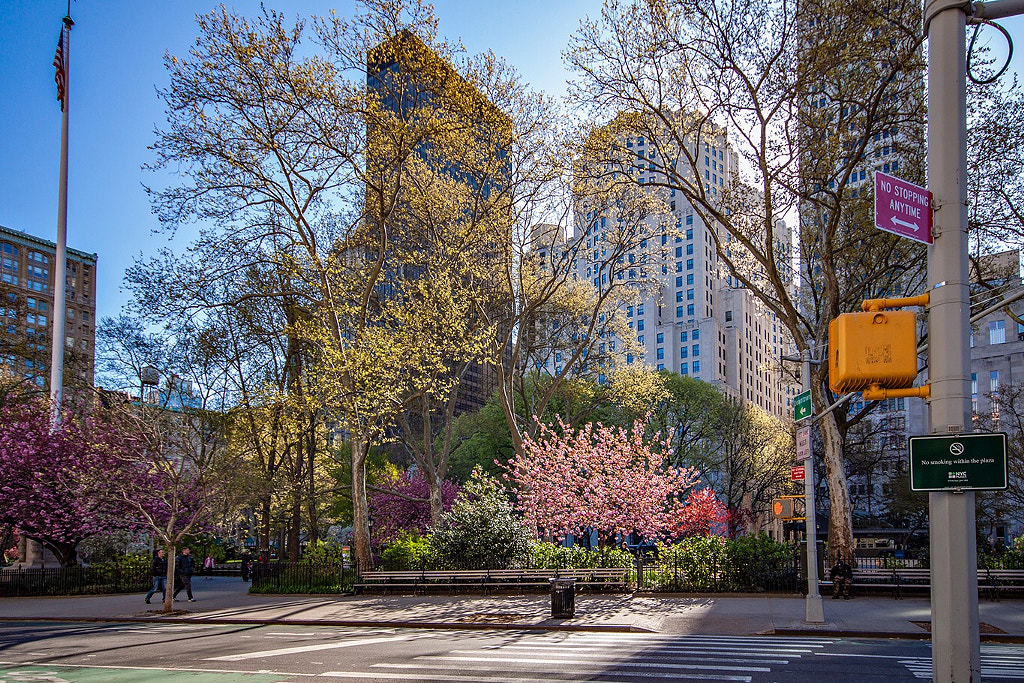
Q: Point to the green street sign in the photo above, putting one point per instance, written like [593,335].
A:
[967,462]
[802,406]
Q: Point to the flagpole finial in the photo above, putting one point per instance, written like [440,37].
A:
[67,19]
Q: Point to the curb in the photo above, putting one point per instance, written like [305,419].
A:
[440,625]
[1006,638]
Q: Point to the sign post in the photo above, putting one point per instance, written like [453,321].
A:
[903,208]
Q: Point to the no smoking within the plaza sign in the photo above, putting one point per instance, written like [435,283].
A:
[903,208]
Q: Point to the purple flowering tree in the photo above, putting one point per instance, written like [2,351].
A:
[402,502]
[59,484]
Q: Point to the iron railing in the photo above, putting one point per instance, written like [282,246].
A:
[92,580]
[302,577]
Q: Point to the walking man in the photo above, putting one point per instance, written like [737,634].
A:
[184,567]
[158,571]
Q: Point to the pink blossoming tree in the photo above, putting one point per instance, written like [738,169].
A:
[605,478]
[58,484]
[402,502]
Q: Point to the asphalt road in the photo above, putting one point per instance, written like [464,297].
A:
[86,653]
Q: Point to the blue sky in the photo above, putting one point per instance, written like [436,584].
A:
[117,52]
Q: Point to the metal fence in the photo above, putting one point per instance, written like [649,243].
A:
[92,580]
[302,577]
[716,577]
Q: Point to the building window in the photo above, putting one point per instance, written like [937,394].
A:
[661,366]
[682,336]
[683,369]
[683,352]
[679,281]
[689,295]
[689,249]
[679,311]
[689,264]
[997,332]
[679,295]
[696,350]
[661,337]
[640,309]
[639,325]
[993,381]
[679,252]
[696,366]
[689,309]
[728,316]
[696,335]
[661,353]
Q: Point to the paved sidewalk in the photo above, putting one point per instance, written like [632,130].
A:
[226,600]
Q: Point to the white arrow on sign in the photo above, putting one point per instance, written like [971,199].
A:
[905,224]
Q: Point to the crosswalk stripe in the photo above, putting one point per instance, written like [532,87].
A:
[675,675]
[304,648]
[770,652]
[709,656]
[921,667]
[578,662]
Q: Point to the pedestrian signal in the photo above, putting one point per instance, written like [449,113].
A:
[782,508]
[872,349]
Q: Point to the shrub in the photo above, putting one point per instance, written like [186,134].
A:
[758,562]
[545,555]
[481,530]
[324,552]
[408,551]
[696,563]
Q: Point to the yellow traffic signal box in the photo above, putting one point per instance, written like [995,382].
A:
[875,348]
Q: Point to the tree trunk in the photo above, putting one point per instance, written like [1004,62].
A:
[360,518]
[436,504]
[264,533]
[66,553]
[295,527]
[169,592]
[311,514]
[840,524]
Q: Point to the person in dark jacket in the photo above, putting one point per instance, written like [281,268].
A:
[184,567]
[158,571]
[246,560]
[842,578]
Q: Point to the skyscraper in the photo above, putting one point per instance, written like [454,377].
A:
[692,318]
[425,120]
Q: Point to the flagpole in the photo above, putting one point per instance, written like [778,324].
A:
[60,267]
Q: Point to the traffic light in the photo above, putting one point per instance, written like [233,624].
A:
[872,349]
[782,508]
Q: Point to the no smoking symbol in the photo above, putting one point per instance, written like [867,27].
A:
[956,448]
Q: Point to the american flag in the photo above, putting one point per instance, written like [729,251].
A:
[59,62]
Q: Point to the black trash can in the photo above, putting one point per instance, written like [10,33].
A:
[563,598]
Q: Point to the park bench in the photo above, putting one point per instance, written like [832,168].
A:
[488,580]
[992,582]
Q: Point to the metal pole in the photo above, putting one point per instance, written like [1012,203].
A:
[956,649]
[814,613]
[61,257]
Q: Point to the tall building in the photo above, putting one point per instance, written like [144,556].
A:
[695,320]
[457,135]
[27,286]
